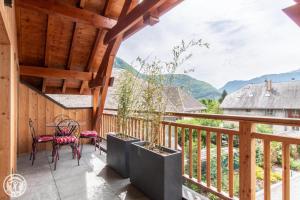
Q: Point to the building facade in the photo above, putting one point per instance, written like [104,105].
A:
[269,99]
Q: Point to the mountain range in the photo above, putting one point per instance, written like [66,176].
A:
[198,89]
[232,86]
[203,90]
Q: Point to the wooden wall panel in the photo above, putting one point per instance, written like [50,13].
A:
[42,111]
[8,88]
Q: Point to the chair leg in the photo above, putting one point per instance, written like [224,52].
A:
[53,152]
[33,152]
[81,146]
[78,154]
[55,157]
[95,143]
[73,151]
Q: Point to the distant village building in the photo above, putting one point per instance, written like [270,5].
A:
[267,99]
[177,99]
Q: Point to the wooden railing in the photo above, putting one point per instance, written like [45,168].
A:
[232,144]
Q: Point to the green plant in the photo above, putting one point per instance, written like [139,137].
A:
[295,164]
[153,102]
[264,128]
[125,100]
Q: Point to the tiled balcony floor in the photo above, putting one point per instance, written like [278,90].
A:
[91,180]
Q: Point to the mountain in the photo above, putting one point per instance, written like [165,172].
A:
[232,86]
[198,89]
[121,64]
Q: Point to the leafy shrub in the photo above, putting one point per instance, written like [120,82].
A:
[275,176]
[295,164]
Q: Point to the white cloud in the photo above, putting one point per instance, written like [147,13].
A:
[247,38]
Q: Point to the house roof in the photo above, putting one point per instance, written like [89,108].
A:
[283,95]
[177,99]
[182,101]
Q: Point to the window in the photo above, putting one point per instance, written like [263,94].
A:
[269,112]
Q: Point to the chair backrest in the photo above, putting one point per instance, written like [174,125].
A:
[60,118]
[31,128]
[68,127]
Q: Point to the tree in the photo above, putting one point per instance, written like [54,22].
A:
[224,94]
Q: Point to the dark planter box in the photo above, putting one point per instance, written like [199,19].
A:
[118,154]
[156,175]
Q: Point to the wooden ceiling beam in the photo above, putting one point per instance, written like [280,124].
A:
[71,52]
[151,20]
[159,11]
[133,17]
[57,90]
[99,43]
[44,85]
[44,72]
[105,68]
[47,57]
[70,12]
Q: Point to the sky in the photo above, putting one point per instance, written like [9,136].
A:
[246,39]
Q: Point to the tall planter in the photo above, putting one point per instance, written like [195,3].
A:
[118,154]
[158,176]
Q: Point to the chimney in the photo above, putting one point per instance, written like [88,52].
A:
[269,85]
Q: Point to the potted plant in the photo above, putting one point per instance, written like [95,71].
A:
[118,143]
[154,169]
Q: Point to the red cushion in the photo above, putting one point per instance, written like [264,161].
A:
[44,138]
[65,131]
[88,134]
[65,139]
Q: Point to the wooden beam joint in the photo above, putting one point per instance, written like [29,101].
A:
[151,18]
[73,13]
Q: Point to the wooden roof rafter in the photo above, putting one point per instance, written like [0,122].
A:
[133,17]
[99,42]
[47,38]
[97,45]
[72,13]
[154,14]
[105,69]
[43,72]
[71,52]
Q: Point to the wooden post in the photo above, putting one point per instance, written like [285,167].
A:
[5,116]
[96,93]
[267,170]
[286,171]
[247,161]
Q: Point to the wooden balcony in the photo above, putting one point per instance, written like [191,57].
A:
[232,143]
[68,47]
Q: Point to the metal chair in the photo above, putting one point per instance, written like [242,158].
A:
[90,135]
[36,139]
[67,133]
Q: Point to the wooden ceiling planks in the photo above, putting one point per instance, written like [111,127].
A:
[105,69]
[33,28]
[99,48]
[68,11]
[47,37]
[82,37]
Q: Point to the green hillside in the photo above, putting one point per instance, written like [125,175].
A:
[198,89]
